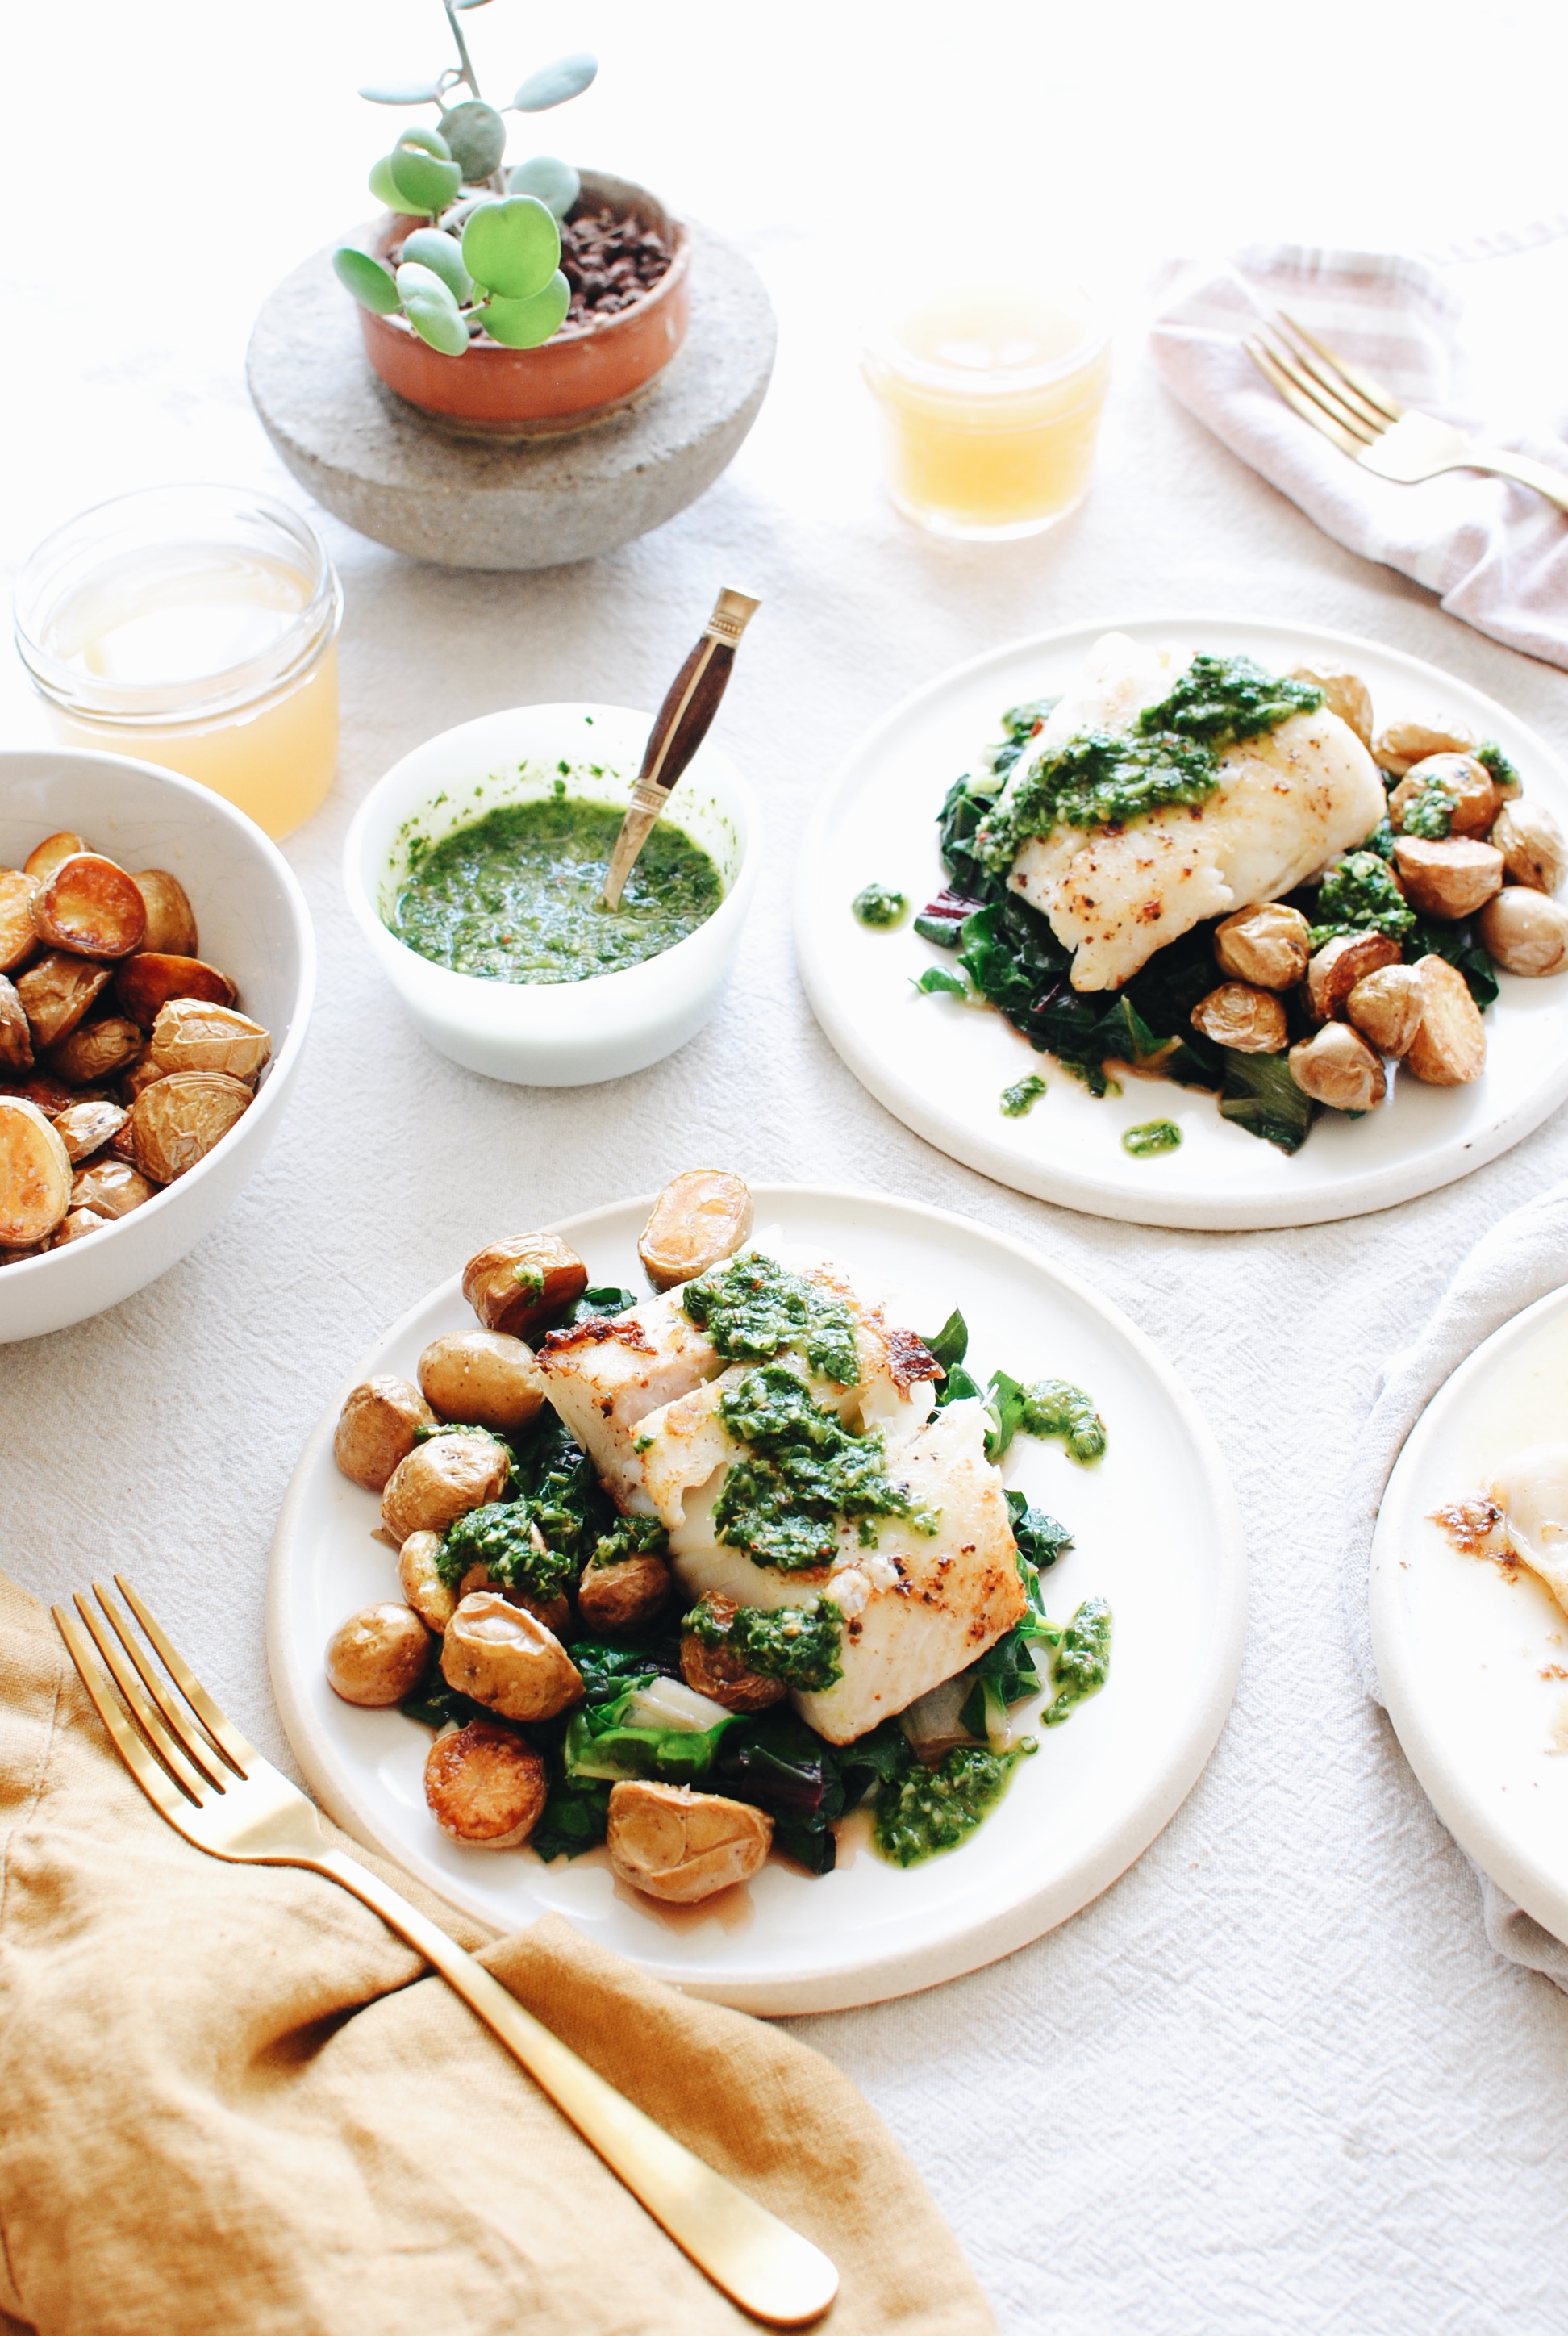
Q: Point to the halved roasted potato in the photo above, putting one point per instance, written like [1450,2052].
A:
[377,1429]
[484,1786]
[153,977]
[378,1656]
[442,1480]
[701,1217]
[178,1120]
[15,1030]
[520,1285]
[190,1034]
[57,991]
[170,919]
[45,857]
[681,1845]
[482,1378]
[97,1049]
[86,1127]
[112,1187]
[35,1174]
[18,933]
[90,905]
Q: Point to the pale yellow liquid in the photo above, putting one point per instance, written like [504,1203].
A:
[987,448]
[187,616]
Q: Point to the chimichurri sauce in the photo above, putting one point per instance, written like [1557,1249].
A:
[515,896]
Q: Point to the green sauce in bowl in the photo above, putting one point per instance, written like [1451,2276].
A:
[515,895]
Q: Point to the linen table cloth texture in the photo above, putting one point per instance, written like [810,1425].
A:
[1518,1261]
[229,2100]
[1496,553]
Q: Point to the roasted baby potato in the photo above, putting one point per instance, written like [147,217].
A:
[90,905]
[441,1480]
[45,857]
[191,1034]
[178,1120]
[1345,694]
[18,933]
[1525,931]
[97,1049]
[376,1429]
[482,1378]
[57,991]
[718,1672]
[505,1657]
[85,1128]
[421,1582]
[1404,744]
[1449,1048]
[170,919]
[15,1031]
[1468,784]
[1339,965]
[1337,1067]
[1531,841]
[626,1595]
[35,1174]
[520,1285]
[110,1187]
[142,1072]
[1449,880]
[75,1225]
[378,1656]
[700,1217]
[484,1786]
[153,977]
[1385,1007]
[681,1845]
[1268,946]
[1237,1015]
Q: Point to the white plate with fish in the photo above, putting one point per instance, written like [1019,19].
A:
[1471,1642]
[1156,1534]
[943,1064]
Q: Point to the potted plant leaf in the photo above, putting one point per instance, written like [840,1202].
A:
[510,303]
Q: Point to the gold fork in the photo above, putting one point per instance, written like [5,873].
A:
[1364,421]
[217,1790]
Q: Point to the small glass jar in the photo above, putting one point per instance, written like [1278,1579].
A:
[990,394]
[195,626]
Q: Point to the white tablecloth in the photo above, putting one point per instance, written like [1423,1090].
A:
[1274,2079]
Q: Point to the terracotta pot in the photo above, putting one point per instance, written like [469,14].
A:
[586,371]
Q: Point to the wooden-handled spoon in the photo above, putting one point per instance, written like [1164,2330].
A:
[679,728]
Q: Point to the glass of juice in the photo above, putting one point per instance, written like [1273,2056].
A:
[194,626]
[989,395]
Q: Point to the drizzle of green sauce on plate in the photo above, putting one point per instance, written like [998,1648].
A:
[1151,1137]
[1022,1095]
[878,906]
[514,896]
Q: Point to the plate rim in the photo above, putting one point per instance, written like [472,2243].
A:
[1438,1777]
[849,1982]
[1378,1188]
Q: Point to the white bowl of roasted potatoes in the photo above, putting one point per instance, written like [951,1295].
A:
[157,968]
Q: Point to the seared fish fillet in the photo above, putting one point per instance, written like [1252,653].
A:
[606,1375]
[1287,802]
[917,1607]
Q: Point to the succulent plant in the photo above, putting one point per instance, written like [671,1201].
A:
[489,257]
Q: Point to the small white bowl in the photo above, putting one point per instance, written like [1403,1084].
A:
[252,923]
[566,1034]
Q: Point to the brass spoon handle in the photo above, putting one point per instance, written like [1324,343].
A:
[679,728]
[768,2269]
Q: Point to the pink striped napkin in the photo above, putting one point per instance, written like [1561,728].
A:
[1496,554]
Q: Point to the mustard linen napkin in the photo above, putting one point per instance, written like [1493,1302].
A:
[229,2100]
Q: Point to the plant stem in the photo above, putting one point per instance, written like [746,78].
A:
[468,73]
